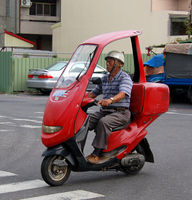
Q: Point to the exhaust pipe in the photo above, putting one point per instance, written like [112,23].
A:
[135,159]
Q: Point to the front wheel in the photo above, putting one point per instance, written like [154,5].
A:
[54,170]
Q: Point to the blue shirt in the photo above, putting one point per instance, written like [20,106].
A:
[121,83]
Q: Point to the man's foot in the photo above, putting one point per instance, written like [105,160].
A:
[92,158]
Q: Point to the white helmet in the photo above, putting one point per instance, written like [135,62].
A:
[115,55]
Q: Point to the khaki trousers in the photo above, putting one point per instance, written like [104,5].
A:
[104,121]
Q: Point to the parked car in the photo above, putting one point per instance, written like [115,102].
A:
[45,79]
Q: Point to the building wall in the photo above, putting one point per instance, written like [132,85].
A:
[40,28]
[37,27]
[184,5]
[81,20]
[9,17]
[31,24]
[2,20]
[165,4]
[175,5]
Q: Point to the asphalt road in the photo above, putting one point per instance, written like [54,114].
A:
[170,178]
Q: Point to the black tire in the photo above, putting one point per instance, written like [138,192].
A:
[54,170]
[189,94]
[45,91]
[137,166]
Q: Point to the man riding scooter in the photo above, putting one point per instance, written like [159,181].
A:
[66,118]
[116,88]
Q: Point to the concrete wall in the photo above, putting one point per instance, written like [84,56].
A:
[31,24]
[9,17]
[175,5]
[184,5]
[81,20]
[2,21]
[165,4]
[40,28]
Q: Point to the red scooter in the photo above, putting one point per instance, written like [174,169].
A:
[65,122]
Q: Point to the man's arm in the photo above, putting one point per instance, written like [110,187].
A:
[116,98]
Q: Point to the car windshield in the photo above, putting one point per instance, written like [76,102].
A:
[77,66]
[58,66]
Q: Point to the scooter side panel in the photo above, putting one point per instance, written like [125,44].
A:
[62,111]
[122,137]
[132,144]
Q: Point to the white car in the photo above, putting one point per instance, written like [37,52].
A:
[45,79]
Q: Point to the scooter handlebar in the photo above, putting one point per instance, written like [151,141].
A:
[88,102]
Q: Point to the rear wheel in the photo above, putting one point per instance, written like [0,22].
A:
[54,170]
[135,163]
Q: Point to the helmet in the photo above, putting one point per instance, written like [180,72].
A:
[115,55]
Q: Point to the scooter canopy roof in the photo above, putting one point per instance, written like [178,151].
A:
[107,38]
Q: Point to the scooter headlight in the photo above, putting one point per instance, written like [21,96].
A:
[51,129]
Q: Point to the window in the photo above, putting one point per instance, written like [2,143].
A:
[43,9]
[178,26]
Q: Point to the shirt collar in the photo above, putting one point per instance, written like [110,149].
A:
[117,75]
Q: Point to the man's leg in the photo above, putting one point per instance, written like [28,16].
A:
[105,126]
[93,121]
[94,118]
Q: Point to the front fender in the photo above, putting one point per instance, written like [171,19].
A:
[60,151]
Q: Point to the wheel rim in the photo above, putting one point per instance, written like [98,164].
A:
[57,168]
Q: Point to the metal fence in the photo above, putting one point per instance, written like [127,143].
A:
[6,73]
[14,71]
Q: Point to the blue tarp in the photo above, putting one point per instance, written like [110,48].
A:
[156,61]
[155,78]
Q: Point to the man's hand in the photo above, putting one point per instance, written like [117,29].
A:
[91,95]
[116,98]
[105,102]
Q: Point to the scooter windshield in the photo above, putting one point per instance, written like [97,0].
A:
[77,66]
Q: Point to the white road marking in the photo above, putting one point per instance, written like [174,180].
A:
[8,123]
[20,186]
[29,126]
[28,120]
[39,117]
[72,195]
[35,184]
[4,174]
[176,113]
[2,116]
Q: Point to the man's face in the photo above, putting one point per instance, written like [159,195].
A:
[109,63]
